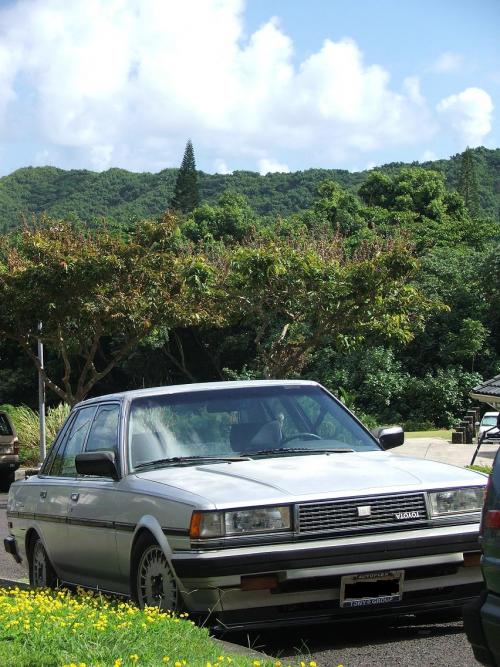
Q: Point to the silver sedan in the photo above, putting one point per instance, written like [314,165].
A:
[252,503]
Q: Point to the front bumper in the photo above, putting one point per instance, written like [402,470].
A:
[10,546]
[482,625]
[308,576]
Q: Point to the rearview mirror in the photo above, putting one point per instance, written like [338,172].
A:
[97,464]
[389,436]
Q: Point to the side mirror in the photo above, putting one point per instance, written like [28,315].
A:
[97,464]
[389,436]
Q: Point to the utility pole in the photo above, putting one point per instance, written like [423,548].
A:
[41,397]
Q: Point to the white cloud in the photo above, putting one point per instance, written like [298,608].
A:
[448,62]
[270,166]
[469,113]
[125,82]
[220,167]
[429,156]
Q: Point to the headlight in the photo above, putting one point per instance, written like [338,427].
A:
[240,522]
[456,501]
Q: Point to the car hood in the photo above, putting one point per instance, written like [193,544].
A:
[314,476]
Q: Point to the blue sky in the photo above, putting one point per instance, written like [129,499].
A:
[266,85]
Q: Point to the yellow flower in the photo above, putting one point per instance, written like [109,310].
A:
[134,657]
[118,662]
[166,658]
[312,664]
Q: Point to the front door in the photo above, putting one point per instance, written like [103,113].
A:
[92,513]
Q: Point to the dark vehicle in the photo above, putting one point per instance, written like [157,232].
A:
[9,452]
[482,616]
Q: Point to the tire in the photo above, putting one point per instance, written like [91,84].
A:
[6,479]
[154,583]
[42,574]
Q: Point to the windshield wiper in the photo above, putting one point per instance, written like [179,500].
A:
[190,459]
[293,450]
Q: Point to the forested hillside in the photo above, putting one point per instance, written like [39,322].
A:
[126,197]
[383,286]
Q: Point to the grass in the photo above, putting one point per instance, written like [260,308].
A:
[27,426]
[42,628]
[437,433]
[485,469]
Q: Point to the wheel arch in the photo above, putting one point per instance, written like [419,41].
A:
[148,525]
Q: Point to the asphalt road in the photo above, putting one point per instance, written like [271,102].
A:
[367,644]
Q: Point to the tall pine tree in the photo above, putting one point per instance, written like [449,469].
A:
[186,195]
[467,183]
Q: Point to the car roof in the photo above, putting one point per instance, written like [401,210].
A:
[491,414]
[195,386]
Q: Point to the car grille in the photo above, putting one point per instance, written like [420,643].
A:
[344,515]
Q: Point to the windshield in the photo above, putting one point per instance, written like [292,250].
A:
[246,421]
[490,420]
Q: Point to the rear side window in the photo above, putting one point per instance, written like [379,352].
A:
[5,428]
[64,461]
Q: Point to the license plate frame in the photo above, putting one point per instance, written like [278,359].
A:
[386,587]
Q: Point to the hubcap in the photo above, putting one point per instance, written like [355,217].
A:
[156,583]
[39,566]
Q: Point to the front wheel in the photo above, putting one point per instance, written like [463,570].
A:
[42,574]
[155,583]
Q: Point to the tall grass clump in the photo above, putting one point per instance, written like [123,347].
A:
[27,426]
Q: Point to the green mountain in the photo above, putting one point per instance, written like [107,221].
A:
[124,196]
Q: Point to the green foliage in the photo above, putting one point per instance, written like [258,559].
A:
[186,195]
[28,428]
[437,398]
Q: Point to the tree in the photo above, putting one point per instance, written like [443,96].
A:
[467,183]
[186,195]
[297,295]
[97,294]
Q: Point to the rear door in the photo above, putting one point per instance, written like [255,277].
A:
[51,495]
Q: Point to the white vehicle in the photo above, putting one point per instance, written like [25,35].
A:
[487,423]
[253,503]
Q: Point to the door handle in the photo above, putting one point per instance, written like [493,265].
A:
[43,494]
[74,497]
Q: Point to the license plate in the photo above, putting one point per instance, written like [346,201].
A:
[371,588]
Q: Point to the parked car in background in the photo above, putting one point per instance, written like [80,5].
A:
[9,452]
[482,617]
[488,428]
[256,503]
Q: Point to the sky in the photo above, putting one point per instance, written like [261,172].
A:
[261,85]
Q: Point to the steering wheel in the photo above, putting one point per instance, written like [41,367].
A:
[304,436]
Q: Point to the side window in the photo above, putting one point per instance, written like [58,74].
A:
[104,432]
[64,461]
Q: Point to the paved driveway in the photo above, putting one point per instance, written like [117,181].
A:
[437,449]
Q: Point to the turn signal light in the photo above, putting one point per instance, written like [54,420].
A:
[194,528]
[492,519]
